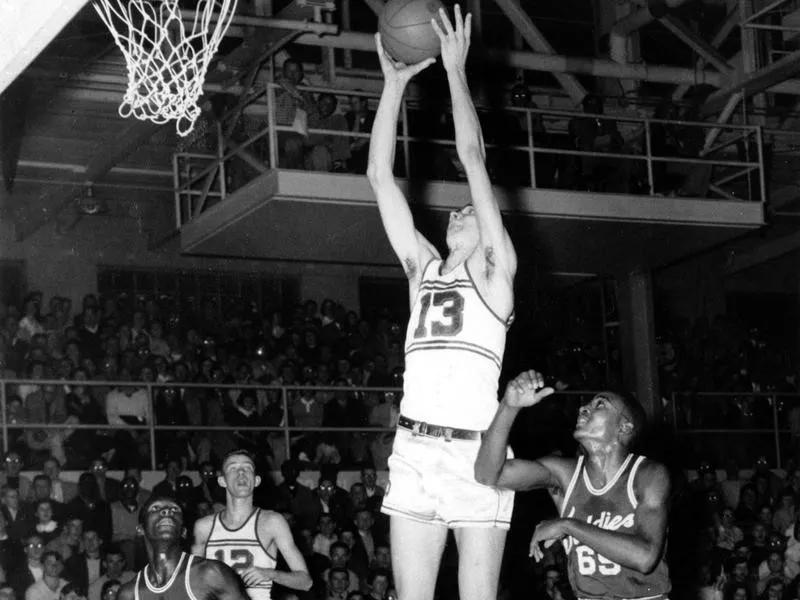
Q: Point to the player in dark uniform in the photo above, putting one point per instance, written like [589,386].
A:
[612,503]
[172,574]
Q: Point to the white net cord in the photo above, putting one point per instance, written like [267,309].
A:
[167,62]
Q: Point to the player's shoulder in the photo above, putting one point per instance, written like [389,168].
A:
[271,520]
[128,590]
[652,475]
[205,523]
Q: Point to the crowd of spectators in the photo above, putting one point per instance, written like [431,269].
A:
[186,364]
[505,132]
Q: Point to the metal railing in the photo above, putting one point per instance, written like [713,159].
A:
[718,161]
[703,424]
[285,393]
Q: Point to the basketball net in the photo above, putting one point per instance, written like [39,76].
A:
[167,62]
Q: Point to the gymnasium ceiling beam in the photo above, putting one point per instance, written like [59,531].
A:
[531,34]
[26,27]
[705,50]
[728,25]
[766,250]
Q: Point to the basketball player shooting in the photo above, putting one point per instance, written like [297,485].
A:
[461,307]
[170,573]
[248,538]
[613,504]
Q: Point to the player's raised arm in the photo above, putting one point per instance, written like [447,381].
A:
[497,247]
[409,245]
[493,468]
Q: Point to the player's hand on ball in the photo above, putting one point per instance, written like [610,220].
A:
[455,41]
[546,534]
[526,389]
[395,71]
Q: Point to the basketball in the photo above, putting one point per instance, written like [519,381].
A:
[406,32]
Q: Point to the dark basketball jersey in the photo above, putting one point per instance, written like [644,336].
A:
[177,588]
[613,507]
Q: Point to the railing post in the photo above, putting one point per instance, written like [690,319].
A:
[3,417]
[762,176]
[531,154]
[776,431]
[176,180]
[287,436]
[273,135]
[649,152]
[406,156]
[151,421]
[674,400]
[221,158]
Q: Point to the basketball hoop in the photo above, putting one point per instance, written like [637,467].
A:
[167,62]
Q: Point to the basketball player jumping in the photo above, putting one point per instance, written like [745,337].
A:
[170,573]
[460,309]
[248,538]
[613,504]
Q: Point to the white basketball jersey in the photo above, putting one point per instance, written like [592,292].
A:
[454,352]
[241,549]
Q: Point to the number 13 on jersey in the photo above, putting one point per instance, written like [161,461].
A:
[452,305]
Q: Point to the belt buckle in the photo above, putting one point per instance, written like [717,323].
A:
[416,428]
[447,434]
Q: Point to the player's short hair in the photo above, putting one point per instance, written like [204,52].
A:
[150,501]
[237,452]
[633,412]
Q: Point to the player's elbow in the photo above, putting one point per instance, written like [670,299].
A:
[485,474]
[647,561]
[378,175]
[470,154]
[306,582]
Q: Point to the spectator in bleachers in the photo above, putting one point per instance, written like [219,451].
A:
[294,108]
[326,535]
[68,540]
[108,488]
[29,570]
[43,490]
[340,558]
[43,524]
[379,582]
[50,585]
[168,486]
[337,584]
[10,475]
[11,554]
[327,151]
[90,507]
[85,568]
[209,490]
[359,120]
[115,568]
[125,519]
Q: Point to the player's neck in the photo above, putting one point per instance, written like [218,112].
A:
[604,461]
[457,255]
[237,509]
[163,562]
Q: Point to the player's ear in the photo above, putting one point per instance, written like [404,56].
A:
[221,481]
[140,531]
[626,428]
[258,480]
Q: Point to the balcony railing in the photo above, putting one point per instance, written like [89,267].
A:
[712,426]
[534,148]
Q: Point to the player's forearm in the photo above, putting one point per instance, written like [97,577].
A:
[494,444]
[626,549]
[469,141]
[296,580]
[384,132]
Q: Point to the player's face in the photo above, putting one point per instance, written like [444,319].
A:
[463,227]
[164,520]
[599,419]
[239,476]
